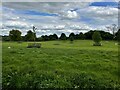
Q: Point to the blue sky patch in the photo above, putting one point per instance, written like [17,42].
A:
[104,4]
[39,13]
[30,12]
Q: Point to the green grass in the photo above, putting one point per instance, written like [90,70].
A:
[60,64]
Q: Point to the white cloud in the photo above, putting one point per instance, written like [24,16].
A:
[49,7]
[16,25]
[68,19]
[100,15]
[72,14]
[95,11]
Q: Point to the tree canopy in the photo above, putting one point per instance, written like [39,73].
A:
[30,36]
[63,36]
[15,35]
[97,38]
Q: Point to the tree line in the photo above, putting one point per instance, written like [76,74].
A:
[15,35]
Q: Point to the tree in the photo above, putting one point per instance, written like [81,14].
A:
[88,35]
[81,36]
[97,38]
[71,37]
[113,28]
[63,36]
[106,35]
[30,36]
[76,36]
[15,35]
[45,38]
[5,38]
[34,28]
[55,37]
[72,34]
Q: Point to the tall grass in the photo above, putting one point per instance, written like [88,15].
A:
[60,64]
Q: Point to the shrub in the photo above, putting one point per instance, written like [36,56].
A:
[34,45]
[96,38]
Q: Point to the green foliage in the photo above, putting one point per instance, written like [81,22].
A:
[30,36]
[60,66]
[71,37]
[5,38]
[45,38]
[15,35]
[88,35]
[106,35]
[63,36]
[97,38]
[53,37]
[81,36]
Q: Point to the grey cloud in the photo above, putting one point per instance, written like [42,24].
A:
[100,15]
[60,8]
[50,24]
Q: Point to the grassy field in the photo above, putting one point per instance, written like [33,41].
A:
[60,64]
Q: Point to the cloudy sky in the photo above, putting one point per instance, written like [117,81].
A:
[58,17]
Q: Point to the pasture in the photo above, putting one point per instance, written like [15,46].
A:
[60,64]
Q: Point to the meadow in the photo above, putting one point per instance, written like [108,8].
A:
[60,64]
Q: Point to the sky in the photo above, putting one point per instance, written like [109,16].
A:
[58,17]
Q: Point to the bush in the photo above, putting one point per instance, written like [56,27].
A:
[34,45]
[96,38]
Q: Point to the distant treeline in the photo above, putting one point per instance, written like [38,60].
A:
[15,35]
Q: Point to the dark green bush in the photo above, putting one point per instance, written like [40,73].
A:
[34,45]
[97,38]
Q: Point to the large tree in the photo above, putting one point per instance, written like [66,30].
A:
[30,36]
[53,37]
[72,34]
[72,37]
[15,35]
[81,36]
[106,35]
[45,38]
[113,28]
[63,36]
[88,35]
